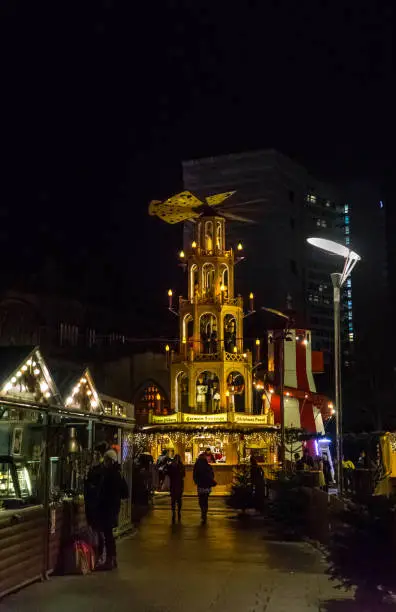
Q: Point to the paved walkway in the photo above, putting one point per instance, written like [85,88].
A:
[225,566]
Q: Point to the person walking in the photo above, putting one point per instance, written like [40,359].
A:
[258,483]
[113,488]
[176,472]
[203,476]
[161,465]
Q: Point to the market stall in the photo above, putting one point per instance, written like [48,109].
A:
[230,443]
[49,425]
[27,391]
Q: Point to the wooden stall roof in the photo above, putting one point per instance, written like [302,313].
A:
[11,357]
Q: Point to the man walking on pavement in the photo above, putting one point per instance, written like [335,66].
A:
[204,479]
[113,488]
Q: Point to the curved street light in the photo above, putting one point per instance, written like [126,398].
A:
[338,279]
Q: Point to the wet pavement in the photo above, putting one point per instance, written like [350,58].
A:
[228,565]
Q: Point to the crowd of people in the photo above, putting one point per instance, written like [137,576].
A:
[321,464]
[171,467]
[105,487]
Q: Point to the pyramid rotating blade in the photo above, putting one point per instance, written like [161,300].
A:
[175,214]
[184,198]
[214,200]
[232,217]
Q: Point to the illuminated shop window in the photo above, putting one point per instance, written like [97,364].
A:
[153,399]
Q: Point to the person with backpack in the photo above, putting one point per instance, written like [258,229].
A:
[113,489]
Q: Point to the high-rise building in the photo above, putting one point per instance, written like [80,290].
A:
[285,205]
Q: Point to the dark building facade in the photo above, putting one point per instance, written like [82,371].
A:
[287,204]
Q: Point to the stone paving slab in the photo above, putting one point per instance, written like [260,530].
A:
[227,566]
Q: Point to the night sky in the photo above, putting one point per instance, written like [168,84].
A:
[101,101]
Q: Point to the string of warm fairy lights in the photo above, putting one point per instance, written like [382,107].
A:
[30,378]
[83,396]
[187,437]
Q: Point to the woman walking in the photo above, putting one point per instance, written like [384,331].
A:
[176,472]
[204,479]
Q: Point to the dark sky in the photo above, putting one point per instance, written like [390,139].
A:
[101,101]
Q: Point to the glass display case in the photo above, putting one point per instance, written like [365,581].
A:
[15,483]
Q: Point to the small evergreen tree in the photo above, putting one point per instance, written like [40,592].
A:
[241,497]
[287,505]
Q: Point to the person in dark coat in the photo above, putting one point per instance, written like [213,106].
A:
[203,476]
[113,488]
[258,483]
[176,472]
[92,486]
[161,465]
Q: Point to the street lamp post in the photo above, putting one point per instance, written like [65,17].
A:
[338,279]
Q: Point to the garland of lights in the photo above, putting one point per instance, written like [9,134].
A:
[30,378]
[143,439]
[83,396]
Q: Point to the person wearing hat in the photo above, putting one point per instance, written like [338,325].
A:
[113,489]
